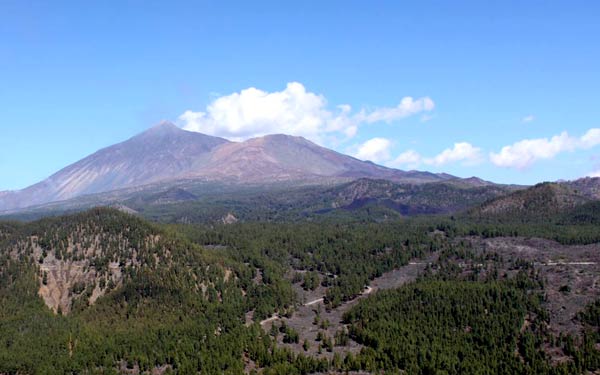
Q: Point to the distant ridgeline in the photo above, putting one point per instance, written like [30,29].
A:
[362,199]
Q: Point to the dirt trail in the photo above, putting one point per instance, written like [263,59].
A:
[272,318]
[367,290]
[303,319]
[566,264]
[313,302]
[276,316]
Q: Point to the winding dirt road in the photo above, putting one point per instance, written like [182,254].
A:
[368,290]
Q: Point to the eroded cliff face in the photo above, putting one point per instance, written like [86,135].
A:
[75,276]
[64,282]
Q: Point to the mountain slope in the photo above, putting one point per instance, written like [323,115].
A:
[162,152]
[283,157]
[588,187]
[105,292]
[540,202]
[410,199]
[166,153]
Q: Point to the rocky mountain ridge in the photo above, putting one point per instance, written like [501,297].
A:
[167,153]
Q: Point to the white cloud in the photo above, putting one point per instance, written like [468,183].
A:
[409,158]
[376,150]
[524,153]
[528,118]
[594,174]
[426,118]
[407,107]
[591,138]
[461,152]
[294,110]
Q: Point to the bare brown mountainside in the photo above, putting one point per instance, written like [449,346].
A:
[282,157]
[160,153]
[166,152]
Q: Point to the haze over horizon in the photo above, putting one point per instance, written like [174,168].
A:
[504,91]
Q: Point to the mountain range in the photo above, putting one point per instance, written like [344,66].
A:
[166,153]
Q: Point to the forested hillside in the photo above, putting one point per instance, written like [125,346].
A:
[134,295]
[143,297]
[106,292]
[540,203]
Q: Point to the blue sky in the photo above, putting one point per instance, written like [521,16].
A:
[491,82]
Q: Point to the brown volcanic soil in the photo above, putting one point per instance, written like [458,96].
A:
[302,319]
[574,268]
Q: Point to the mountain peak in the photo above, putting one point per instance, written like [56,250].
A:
[282,136]
[279,137]
[164,126]
[166,153]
